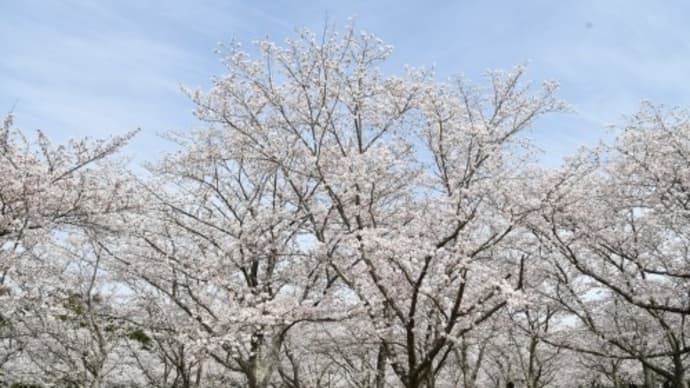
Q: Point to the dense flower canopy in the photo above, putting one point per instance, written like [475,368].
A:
[333,226]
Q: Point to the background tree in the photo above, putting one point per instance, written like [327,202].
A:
[619,218]
[49,194]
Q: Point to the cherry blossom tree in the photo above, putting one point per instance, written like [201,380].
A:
[49,193]
[617,223]
[70,322]
[323,186]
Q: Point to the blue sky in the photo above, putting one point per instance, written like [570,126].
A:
[93,68]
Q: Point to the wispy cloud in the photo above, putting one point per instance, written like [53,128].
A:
[82,67]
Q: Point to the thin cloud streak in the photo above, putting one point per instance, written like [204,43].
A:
[86,68]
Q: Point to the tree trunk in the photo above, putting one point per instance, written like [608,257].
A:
[263,360]
[649,377]
[381,367]
[678,372]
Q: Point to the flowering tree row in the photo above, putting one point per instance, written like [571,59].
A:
[332,226]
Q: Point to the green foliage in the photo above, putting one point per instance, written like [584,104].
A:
[141,337]
[74,304]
